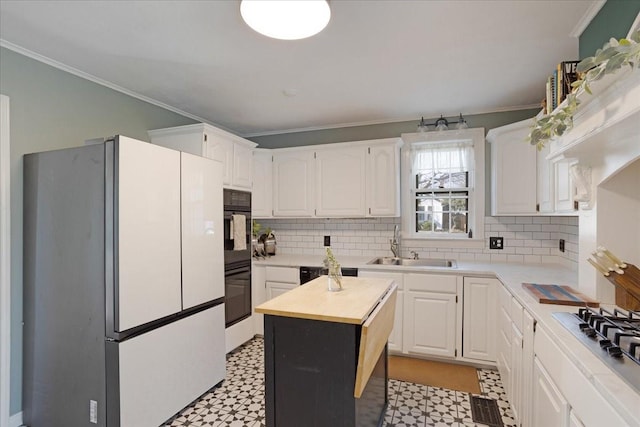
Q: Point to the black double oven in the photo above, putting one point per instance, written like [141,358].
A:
[237,262]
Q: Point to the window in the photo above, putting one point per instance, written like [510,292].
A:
[443,185]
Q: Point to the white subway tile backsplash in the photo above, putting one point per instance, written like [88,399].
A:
[526,239]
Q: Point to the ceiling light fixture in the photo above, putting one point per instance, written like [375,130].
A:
[442,124]
[286,19]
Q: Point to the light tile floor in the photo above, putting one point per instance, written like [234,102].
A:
[239,400]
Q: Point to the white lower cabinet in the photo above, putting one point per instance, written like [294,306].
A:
[395,339]
[430,314]
[258,295]
[574,421]
[479,318]
[279,280]
[549,406]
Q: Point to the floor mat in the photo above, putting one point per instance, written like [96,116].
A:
[437,374]
[485,411]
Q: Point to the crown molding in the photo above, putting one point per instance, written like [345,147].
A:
[586,19]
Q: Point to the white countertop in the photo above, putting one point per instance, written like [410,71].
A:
[624,399]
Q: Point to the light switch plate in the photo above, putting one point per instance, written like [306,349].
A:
[327,240]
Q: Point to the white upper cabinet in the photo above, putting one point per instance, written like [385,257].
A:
[383,178]
[513,170]
[545,181]
[261,194]
[293,183]
[148,232]
[204,140]
[341,182]
[352,179]
[564,190]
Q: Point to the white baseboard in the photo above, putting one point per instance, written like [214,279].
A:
[15,420]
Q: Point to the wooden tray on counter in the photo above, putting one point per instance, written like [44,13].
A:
[559,294]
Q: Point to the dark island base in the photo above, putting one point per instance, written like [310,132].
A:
[310,372]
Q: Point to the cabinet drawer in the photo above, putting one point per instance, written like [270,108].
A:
[430,283]
[283,274]
[396,277]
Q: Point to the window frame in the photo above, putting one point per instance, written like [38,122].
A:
[476,192]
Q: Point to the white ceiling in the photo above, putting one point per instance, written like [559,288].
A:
[376,61]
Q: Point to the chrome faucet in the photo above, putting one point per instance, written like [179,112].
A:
[395,244]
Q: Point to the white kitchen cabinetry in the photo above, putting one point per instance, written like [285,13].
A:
[258,295]
[293,183]
[234,152]
[341,182]
[430,314]
[261,194]
[395,339]
[549,406]
[352,179]
[515,353]
[564,190]
[383,178]
[513,170]
[545,182]
[280,280]
[479,318]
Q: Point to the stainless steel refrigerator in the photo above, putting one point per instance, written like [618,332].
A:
[123,284]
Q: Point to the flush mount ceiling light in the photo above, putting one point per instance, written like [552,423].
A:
[286,19]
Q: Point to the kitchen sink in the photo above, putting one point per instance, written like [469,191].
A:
[410,262]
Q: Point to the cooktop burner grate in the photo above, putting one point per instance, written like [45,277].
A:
[612,335]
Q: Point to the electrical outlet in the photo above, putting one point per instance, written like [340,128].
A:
[327,240]
[561,245]
[496,243]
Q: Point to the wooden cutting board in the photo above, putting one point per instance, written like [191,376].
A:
[559,294]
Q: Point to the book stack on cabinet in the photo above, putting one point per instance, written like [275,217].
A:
[559,84]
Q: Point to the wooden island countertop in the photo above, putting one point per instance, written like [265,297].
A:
[353,304]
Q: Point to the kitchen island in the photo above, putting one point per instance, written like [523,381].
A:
[326,355]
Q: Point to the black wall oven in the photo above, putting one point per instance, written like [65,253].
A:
[237,262]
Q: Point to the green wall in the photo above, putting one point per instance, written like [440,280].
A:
[613,20]
[52,109]
[384,130]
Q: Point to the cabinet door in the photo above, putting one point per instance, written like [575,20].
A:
[275,289]
[564,190]
[340,182]
[293,184]
[383,180]
[221,149]
[258,295]
[242,166]
[527,368]
[395,339]
[479,320]
[148,232]
[261,194]
[202,230]
[513,175]
[545,181]
[504,348]
[516,374]
[429,323]
[549,406]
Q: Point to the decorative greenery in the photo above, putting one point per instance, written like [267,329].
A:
[614,55]
[255,228]
[334,267]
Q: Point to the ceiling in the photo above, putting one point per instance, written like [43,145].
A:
[376,61]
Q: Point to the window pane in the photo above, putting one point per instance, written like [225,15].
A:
[424,221]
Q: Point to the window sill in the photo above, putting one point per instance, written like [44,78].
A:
[443,242]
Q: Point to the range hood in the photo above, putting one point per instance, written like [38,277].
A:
[606,132]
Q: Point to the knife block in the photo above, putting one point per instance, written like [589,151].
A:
[627,287]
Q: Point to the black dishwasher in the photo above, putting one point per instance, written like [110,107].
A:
[309,273]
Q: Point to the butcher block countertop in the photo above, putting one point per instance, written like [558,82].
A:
[314,301]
